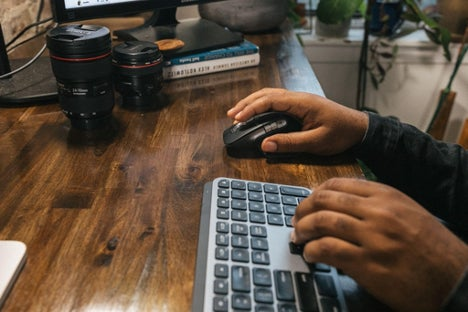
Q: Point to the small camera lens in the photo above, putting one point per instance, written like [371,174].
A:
[82,64]
[138,73]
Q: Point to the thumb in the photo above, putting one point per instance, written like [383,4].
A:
[284,143]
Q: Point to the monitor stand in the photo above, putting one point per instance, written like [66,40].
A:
[33,85]
[198,35]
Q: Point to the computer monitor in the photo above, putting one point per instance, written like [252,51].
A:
[197,34]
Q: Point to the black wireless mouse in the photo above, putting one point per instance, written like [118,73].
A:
[243,140]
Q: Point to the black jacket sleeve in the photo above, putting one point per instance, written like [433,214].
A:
[433,173]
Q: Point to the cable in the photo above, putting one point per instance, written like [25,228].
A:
[28,39]
[27,64]
[26,29]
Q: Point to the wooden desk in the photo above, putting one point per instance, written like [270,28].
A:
[111,224]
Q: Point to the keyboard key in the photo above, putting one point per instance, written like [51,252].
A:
[289,210]
[306,292]
[259,243]
[264,308]
[221,270]
[220,304]
[256,196]
[223,193]
[239,204]
[257,207]
[261,277]
[295,191]
[223,203]
[322,267]
[325,285]
[239,228]
[237,194]
[272,198]
[286,307]
[263,295]
[238,215]
[273,208]
[222,253]
[258,231]
[241,302]
[224,183]
[275,220]
[296,249]
[289,200]
[240,241]
[240,276]
[222,214]
[222,227]
[270,188]
[330,305]
[256,217]
[257,187]
[240,255]
[222,240]
[260,257]
[284,286]
[221,287]
[238,185]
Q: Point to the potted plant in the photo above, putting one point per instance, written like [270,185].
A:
[333,17]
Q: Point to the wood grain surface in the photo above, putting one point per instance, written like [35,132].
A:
[111,218]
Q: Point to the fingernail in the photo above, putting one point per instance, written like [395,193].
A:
[293,221]
[270,147]
[293,236]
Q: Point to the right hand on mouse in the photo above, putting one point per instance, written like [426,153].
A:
[328,127]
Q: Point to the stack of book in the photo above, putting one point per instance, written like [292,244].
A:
[246,54]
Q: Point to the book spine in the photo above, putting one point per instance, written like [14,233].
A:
[211,66]
[212,55]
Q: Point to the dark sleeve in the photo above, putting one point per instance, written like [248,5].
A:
[433,173]
[458,299]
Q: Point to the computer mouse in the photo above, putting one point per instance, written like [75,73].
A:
[244,139]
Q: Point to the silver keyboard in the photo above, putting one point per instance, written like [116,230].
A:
[245,261]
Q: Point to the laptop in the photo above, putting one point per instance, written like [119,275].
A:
[12,259]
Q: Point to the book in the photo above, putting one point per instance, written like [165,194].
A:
[246,47]
[210,66]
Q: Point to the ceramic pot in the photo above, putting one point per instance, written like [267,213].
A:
[248,16]
[339,30]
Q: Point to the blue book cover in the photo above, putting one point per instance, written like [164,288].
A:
[246,47]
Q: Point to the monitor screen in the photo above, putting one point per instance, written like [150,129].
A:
[197,35]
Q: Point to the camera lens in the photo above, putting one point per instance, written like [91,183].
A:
[138,73]
[82,64]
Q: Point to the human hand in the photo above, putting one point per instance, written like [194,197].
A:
[384,240]
[328,127]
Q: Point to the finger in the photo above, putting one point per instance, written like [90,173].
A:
[327,224]
[335,252]
[330,200]
[358,187]
[249,100]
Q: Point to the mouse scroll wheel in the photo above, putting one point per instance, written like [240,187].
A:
[275,125]
[238,127]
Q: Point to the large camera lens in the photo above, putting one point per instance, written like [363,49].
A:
[138,73]
[82,64]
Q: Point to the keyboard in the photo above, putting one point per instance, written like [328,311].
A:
[245,261]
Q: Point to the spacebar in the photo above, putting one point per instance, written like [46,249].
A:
[306,290]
